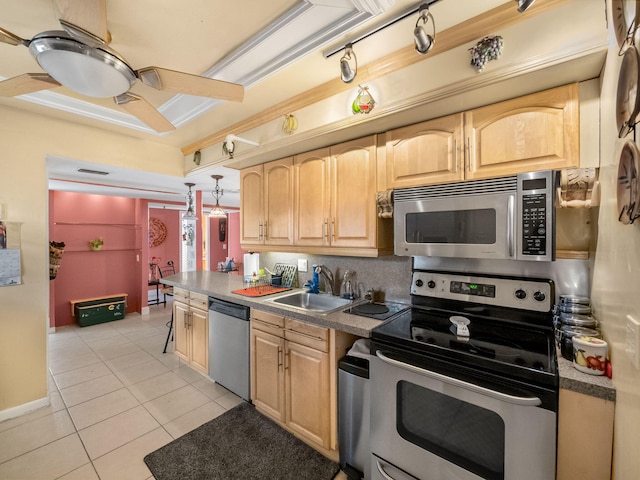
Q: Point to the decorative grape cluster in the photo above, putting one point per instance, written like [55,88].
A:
[489,48]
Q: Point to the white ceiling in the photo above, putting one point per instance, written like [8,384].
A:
[274,49]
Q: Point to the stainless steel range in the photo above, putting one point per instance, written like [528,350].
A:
[464,384]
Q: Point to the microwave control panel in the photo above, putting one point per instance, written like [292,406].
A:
[534,224]
[536,216]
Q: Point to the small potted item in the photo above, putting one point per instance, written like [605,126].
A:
[96,244]
[590,355]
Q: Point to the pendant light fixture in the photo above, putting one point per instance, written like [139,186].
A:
[423,41]
[217,212]
[347,74]
[524,4]
[191,211]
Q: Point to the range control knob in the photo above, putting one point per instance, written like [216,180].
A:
[431,284]
[419,283]
[539,296]
[521,294]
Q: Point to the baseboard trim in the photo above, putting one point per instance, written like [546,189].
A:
[24,409]
[145,311]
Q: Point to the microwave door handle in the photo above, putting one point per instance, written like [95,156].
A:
[510,227]
[526,401]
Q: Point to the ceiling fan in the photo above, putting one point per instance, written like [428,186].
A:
[79,58]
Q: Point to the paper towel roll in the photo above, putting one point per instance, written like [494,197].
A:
[251,264]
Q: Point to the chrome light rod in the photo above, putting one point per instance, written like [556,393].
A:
[332,51]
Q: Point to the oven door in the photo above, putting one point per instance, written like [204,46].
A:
[470,226]
[437,427]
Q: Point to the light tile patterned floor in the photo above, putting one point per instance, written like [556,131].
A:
[115,397]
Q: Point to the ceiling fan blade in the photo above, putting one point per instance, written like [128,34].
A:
[144,111]
[12,39]
[26,83]
[180,82]
[85,20]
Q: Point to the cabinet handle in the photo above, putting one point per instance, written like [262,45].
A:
[186,316]
[325,235]
[279,357]
[333,229]
[260,231]
[266,231]
[286,361]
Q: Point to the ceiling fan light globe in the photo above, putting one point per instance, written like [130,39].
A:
[86,70]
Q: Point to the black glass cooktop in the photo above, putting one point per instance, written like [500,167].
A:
[378,311]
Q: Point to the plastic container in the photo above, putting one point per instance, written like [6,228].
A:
[590,355]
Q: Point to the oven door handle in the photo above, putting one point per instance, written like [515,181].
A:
[526,401]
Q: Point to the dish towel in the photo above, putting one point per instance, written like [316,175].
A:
[384,203]
[579,188]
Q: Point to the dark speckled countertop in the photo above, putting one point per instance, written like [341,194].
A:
[221,285]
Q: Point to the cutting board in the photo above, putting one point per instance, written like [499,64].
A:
[259,291]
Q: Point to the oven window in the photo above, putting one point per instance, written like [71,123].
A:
[472,437]
[467,227]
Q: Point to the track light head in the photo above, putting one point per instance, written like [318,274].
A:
[424,41]
[524,4]
[347,74]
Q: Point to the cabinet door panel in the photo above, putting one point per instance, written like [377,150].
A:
[278,202]
[180,330]
[535,132]
[353,200]
[426,153]
[199,331]
[267,374]
[307,393]
[312,198]
[251,198]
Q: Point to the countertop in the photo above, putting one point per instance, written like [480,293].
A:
[221,285]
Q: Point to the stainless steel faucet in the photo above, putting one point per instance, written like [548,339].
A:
[328,277]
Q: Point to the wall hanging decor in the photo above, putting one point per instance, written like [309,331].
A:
[56,249]
[96,244]
[364,102]
[628,191]
[157,232]
[489,48]
[290,124]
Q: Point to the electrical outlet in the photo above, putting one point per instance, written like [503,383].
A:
[303,265]
[632,340]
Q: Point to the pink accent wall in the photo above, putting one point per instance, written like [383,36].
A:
[75,219]
[233,238]
[217,252]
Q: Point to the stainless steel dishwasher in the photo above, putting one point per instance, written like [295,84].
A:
[229,346]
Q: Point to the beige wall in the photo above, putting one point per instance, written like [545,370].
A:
[616,280]
[25,141]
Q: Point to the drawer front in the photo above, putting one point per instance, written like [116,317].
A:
[267,327]
[321,333]
[181,295]
[302,339]
[276,320]
[199,300]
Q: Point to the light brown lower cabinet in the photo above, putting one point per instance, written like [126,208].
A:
[294,376]
[191,328]
[585,436]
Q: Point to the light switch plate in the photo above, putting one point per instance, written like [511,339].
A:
[632,340]
[303,265]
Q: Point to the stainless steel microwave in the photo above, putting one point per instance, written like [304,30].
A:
[501,218]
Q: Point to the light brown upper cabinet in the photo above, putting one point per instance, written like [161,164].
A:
[335,200]
[266,204]
[535,132]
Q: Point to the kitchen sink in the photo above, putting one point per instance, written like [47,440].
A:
[311,302]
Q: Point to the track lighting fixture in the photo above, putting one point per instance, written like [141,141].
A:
[524,4]
[191,211]
[423,41]
[217,212]
[347,74]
